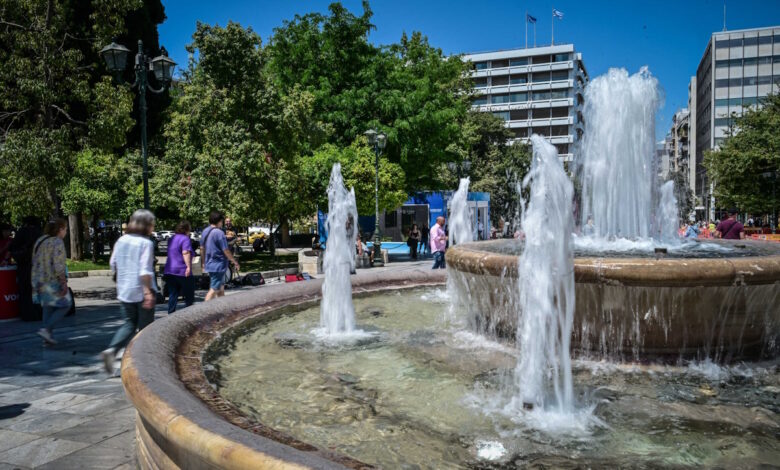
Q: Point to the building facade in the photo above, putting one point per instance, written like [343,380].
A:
[738,68]
[537,90]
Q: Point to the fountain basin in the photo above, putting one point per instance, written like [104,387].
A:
[183,423]
[636,307]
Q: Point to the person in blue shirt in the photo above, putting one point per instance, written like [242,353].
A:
[215,254]
[692,231]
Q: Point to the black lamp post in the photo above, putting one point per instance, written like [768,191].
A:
[162,66]
[456,168]
[379,141]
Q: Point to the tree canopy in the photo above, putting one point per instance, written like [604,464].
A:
[745,168]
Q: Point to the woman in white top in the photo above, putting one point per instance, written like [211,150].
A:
[132,261]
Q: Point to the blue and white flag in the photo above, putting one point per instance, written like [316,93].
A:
[530,18]
[557,13]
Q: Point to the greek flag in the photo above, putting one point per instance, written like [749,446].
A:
[530,18]
[557,13]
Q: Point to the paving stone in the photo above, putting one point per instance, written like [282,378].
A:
[97,457]
[100,405]
[60,401]
[126,440]
[96,430]
[102,387]
[8,466]
[41,451]
[43,422]
[11,439]
[22,395]
[4,387]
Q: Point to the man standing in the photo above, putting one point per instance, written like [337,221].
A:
[215,253]
[438,242]
[730,229]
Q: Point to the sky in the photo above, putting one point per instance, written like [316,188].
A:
[666,35]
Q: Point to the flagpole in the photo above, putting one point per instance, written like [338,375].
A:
[526,29]
[552,29]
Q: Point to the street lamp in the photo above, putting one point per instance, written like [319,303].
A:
[115,55]
[379,141]
[465,166]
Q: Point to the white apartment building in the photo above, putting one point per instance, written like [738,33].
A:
[737,70]
[535,90]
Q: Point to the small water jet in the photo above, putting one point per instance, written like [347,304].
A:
[337,313]
[460,225]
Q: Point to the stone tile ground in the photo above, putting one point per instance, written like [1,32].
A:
[58,407]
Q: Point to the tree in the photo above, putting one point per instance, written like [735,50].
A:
[745,168]
[232,139]
[683,193]
[358,169]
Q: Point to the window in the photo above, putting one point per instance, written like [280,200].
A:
[518,61]
[560,75]
[751,41]
[518,97]
[518,79]
[497,64]
[520,132]
[765,40]
[766,80]
[559,94]
[750,61]
[480,65]
[480,82]
[500,99]
[722,102]
[560,57]
[540,59]
[540,77]
[720,64]
[764,60]
[735,42]
[480,100]
[776,59]
[747,81]
[560,130]
[562,148]
[502,114]
[518,114]
[777,38]
[500,81]
[543,131]
[722,43]
[542,113]
[560,112]
[719,141]
[541,95]
[750,101]
[391,219]
[726,122]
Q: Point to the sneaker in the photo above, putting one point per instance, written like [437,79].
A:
[108,360]
[46,335]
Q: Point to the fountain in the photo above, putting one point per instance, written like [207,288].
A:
[461,227]
[217,388]
[337,314]
[700,300]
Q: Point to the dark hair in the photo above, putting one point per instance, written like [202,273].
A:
[733,211]
[53,227]
[183,227]
[414,226]
[216,217]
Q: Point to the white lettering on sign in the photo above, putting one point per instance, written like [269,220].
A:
[11,297]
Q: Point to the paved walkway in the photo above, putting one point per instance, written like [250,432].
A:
[58,407]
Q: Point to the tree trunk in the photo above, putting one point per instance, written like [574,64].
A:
[271,242]
[285,231]
[75,231]
[95,243]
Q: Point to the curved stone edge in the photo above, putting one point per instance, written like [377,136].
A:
[175,428]
[679,272]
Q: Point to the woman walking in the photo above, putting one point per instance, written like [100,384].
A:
[49,277]
[178,267]
[414,240]
[132,261]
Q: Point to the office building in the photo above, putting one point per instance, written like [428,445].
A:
[738,68]
[535,90]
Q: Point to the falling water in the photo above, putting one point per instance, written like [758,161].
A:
[617,163]
[337,314]
[666,215]
[545,284]
[461,226]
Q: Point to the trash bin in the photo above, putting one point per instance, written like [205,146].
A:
[9,293]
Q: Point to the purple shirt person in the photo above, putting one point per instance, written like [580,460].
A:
[178,267]
[438,243]
[730,229]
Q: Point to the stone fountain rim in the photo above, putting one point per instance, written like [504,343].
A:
[674,272]
[183,423]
